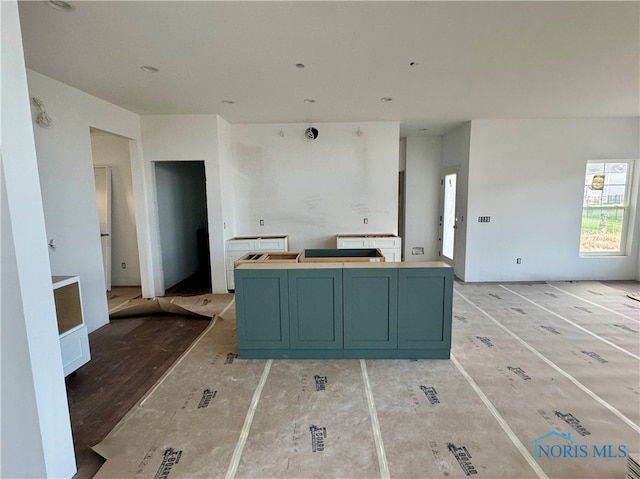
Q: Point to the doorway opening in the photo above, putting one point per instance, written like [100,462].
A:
[449,220]
[182,223]
[401,207]
[116,212]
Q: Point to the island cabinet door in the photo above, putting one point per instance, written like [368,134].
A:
[315,308]
[370,308]
[424,308]
[262,309]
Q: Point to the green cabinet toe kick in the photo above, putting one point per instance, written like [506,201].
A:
[408,354]
[344,310]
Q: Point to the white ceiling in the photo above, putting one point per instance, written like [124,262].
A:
[476,60]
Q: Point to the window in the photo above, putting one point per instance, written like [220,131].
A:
[605,207]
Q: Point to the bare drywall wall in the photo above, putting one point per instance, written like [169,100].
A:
[68,190]
[188,138]
[312,190]
[35,428]
[528,176]
[113,151]
[21,446]
[227,191]
[182,211]
[422,180]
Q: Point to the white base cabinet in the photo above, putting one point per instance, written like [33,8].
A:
[74,338]
[237,247]
[389,245]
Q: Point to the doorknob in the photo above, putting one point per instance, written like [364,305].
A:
[104,234]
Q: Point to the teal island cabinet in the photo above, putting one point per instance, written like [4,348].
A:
[352,310]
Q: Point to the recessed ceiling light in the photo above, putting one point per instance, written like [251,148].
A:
[149,69]
[386,98]
[60,5]
[299,65]
[228,102]
[309,100]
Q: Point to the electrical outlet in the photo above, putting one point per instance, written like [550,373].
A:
[124,265]
[518,260]
[366,221]
[261,222]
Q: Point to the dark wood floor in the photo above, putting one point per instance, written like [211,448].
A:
[198,283]
[127,357]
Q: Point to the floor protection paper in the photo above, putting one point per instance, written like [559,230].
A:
[569,432]
[433,424]
[205,305]
[189,423]
[312,421]
[520,398]
[607,371]
[602,295]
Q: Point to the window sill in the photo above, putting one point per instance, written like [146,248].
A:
[603,255]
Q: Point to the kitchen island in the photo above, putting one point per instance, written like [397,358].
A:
[350,309]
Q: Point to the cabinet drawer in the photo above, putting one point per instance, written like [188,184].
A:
[385,242]
[275,244]
[240,245]
[353,243]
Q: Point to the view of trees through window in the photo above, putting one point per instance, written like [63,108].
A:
[604,207]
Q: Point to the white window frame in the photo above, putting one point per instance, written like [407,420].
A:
[626,207]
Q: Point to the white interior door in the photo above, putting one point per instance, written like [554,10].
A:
[449,219]
[102,176]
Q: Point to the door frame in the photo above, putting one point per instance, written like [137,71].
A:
[443,174]
[105,236]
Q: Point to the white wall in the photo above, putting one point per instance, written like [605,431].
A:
[113,151]
[64,159]
[227,190]
[422,196]
[528,175]
[312,190]
[21,453]
[182,211]
[218,189]
[187,138]
[35,431]
[455,157]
